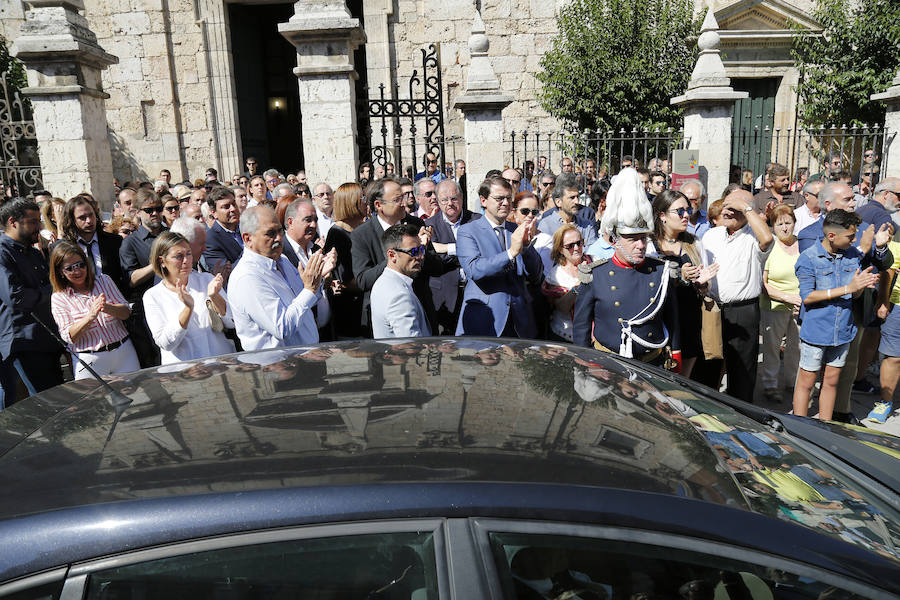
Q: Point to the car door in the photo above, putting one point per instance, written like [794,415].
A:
[552,561]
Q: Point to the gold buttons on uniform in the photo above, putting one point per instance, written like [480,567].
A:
[621,320]
[652,284]
[611,273]
[612,287]
[616,303]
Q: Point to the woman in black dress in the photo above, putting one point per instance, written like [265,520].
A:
[350,211]
[672,242]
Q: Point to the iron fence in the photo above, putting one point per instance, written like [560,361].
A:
[20,168]
[400,154]
[605,148]
[808,147]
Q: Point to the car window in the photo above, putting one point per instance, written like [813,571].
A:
[552,567]
[47,591]
[389,565]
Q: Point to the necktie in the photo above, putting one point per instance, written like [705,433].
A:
[501,236]
[89,251]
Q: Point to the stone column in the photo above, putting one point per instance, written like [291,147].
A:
[890,162]
[481,104]
[64,62]
[708,106]
[325,36]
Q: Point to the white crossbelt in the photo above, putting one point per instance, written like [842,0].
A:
[656,303]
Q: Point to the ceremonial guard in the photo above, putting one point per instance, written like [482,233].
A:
[628,299]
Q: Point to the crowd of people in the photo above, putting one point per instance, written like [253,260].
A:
[803,274]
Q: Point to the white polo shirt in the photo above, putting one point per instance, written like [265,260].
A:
[740,264]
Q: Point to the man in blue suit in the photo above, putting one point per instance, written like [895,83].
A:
[497,258]
[223,239]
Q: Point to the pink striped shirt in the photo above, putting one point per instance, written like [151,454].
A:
[69,307]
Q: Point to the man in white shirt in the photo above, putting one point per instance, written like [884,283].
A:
[396,311]
[271,300]
[740,247]
[323,196]
[810,211]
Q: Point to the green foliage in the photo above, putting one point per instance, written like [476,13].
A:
[616,63]
[15,72]
[857,56]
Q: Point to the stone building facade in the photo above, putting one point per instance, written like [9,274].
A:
[199,83]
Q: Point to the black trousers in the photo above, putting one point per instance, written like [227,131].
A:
[740,333]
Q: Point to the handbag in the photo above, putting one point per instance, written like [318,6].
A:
[711,329]
[215,319]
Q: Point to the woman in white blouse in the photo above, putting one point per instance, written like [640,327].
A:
[183,324]
[561,282]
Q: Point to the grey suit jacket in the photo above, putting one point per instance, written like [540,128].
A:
[396,311]
[445,289]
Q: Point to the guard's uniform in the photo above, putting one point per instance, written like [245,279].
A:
[633,310]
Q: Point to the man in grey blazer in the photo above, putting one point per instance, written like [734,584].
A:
[447,290]
[396,311]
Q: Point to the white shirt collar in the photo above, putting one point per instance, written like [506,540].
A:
[382,222]
[407,280]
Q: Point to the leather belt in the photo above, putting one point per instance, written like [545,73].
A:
[108,347]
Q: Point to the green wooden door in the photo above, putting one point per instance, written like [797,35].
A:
[751,142]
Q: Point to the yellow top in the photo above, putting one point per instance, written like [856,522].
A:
[894,247]
[782,277]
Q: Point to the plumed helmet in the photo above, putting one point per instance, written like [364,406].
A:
[627,208]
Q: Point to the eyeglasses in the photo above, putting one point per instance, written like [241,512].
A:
[180,257]
[429,194]
[272,181]
[78,266]
[573,245]
[451,200]
[152,210]
[172,209]
[681,212]
[413,252]
[529,211]
[513,182]
[501,199]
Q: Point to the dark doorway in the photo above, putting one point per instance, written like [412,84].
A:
[267,91]
[751,141]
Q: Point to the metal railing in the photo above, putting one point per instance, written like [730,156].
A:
[605,148]
[400,153]
[808,147]
[20,168]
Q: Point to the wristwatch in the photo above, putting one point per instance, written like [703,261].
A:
[748,208]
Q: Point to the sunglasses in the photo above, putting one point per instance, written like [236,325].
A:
[573,245]
[152,210]
[682,211]
[78,266]
[172,209]
[414,252]
[529,211]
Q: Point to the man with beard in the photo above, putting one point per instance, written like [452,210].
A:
[25,291]
[625,304]
[223,240]
[137,272]
[396,312]
[79,226]
[778,190]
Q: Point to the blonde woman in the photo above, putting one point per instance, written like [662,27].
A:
[183,324]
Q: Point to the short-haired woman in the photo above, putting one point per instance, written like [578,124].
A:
[350,211]
[180,319]
[89,310]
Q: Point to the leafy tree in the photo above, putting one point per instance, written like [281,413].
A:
[15,72]
[616,63]
[856,56]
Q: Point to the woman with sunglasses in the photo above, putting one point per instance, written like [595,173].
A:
[684,252]
[89,310]
[171,209]
[561,280]
[187,310]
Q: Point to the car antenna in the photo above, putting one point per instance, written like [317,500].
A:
[117,399]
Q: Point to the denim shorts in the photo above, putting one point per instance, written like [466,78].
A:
[890,333]
[812,357]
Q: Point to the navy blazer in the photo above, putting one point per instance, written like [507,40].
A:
[221,246]
[496,285]
[445,289]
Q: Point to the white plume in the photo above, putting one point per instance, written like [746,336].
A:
[626,203]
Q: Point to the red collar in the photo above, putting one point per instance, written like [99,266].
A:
[619,263]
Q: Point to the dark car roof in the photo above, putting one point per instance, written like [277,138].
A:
[413,413]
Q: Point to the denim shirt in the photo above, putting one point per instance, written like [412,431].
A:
[830,322]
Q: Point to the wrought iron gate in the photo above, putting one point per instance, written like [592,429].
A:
[20,168]
[422,107]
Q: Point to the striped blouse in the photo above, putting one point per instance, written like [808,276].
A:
[70,306]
